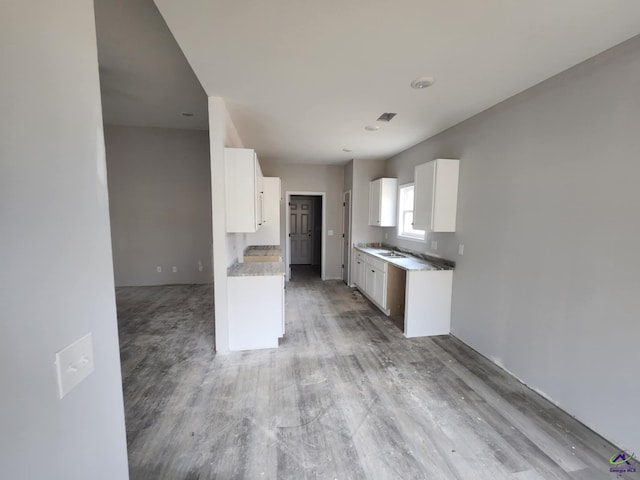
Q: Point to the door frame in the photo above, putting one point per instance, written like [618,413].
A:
[347,261]
[323,203]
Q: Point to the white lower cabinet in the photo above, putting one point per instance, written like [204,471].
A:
[422,298]
[428,303]
[259,322]
[359,269]
[370,276]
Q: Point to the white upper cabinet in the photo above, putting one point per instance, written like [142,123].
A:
[383,196]
[245,190]
[435,198]
[269,233]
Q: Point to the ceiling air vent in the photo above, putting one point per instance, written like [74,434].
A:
[386,117]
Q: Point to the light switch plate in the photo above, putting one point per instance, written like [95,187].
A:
[73,364]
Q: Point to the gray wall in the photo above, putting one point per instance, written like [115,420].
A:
[548,213]
[315,178]
[160,202]
[56,279]
[348,176]
[363,172]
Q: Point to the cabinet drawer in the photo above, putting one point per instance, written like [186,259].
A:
[376,263]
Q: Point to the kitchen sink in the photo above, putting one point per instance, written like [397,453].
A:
[392,255]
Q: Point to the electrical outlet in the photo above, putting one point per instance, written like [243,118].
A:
[200,267]
[159,269]
[330,233]
[174,269]
[73,364]
[461,249]
[434,244]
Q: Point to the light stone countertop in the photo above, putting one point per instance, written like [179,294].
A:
[409,262]
[255,269]
[263,251]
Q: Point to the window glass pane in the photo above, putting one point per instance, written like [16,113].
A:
[405,211]
[408,219]
[409,199]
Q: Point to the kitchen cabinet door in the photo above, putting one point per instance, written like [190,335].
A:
[258,323]
[380,288]
[269,232]
[355,272]
[370,280]
[375,284]
[383,194]
[435,199]
[245,190]
[361,274]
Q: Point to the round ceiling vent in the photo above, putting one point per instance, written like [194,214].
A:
[422,82]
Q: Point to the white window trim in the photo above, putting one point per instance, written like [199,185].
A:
[420,238]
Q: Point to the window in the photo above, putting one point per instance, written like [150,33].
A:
[405,214]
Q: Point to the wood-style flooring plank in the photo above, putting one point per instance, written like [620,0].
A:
[345,396]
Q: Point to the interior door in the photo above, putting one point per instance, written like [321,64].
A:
[346,236]
[301,230]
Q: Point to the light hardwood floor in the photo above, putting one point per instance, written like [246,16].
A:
[346,396]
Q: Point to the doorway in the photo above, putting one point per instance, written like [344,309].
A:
[305,230]
[301,214]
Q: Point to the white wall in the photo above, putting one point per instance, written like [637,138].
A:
[227,247]
[315,178]
[56,281]
[236,242]
[160,204]
[548,213]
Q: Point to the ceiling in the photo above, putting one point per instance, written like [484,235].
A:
[302,79]
[144,78]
